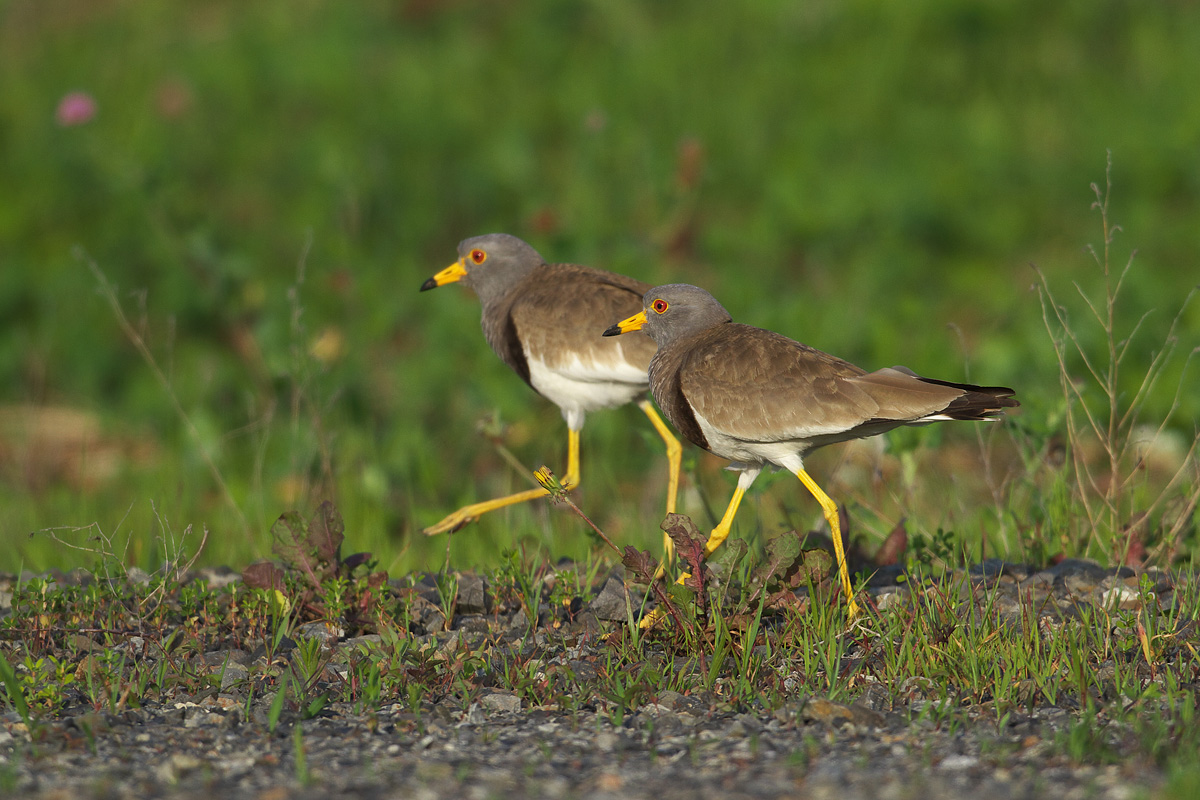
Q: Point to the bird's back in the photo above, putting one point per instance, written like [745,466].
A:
[735,384]
[556,315]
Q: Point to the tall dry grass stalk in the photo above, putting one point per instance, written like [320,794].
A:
[1123,508]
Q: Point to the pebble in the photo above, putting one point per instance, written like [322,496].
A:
[612,603]
[327,633]
[501,701]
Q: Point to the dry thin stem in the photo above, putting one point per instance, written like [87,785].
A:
[1071,393]
[1107,498]
[558,494]
[171,571]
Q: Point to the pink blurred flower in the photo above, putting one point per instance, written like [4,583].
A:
[75,108]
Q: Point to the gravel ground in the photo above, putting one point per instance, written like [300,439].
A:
[884,745]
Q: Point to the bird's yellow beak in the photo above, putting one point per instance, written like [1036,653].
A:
[634,323]
[451,274]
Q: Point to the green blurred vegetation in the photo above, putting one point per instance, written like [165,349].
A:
[267,184]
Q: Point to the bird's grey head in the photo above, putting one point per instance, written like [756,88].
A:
[490,264]
[680,309]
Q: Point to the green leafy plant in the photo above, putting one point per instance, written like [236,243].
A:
[328,585]
[15,693]
[307,667]
[275,711]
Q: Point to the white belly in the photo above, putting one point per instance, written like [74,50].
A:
[784,454]
[577,388]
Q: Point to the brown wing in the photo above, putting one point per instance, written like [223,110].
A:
[903,395]
[760,386]
[560,311]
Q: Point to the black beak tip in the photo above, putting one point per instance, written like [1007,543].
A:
[612,330]
[429,284]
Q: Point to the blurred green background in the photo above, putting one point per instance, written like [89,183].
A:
[267,184]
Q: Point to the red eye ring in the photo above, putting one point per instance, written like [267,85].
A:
[478,256]
[659,306]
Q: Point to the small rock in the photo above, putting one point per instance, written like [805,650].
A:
[519,624]
[1121,597]
[1038,579]
[202,719]
[998,567]
[606,741]
[612,603]
[818,709]
[472,624]
[958,762]
[371,641]
[671,700]
[501,701]
[232,674]
[875,698]
[217,658]
[1080,568]
[656,710]
[178,765]
[472,595]
[450,644]
[433,620]
[890,599]
[328,633]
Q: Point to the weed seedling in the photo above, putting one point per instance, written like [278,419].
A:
[300,752]
[16,695]
[276,708]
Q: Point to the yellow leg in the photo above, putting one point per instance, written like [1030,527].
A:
[829,508]
[571,479]
[721,532]
[674,457]
[473,511]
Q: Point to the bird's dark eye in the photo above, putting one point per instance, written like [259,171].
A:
[478,256]
[659,306]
